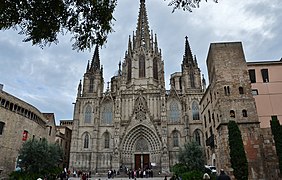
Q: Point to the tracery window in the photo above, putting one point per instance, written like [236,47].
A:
[175,139]
[141,145]
[174,112]
[87,114]
[107,114]
[107,140]
[195,111]
[86,141]
[142,66]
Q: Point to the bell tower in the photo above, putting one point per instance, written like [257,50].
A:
[190,71]
[93,81]
[143,65]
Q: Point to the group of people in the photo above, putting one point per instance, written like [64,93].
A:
[140,173]
[221,176]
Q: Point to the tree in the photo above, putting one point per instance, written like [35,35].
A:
[192,157]
[186,5]
[39,159]
[41,21]
[277,134]
[89,21]
[237,153]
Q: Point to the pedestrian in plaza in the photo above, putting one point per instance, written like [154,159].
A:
[223,176]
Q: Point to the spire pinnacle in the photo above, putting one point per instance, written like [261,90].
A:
[142,30]
[129,50]
[95,64]
[188,58]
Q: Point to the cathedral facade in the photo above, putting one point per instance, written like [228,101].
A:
[136,123]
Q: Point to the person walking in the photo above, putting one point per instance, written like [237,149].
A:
[223,176]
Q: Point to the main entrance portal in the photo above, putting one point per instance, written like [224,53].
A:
[142,161]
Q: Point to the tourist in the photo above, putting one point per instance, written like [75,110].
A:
[223,176]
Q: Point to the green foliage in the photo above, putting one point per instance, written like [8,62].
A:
[179,169]
[192,156]
[41,21]
[192,175]
[186,5]
[38,159]
[237,153]
[277,134]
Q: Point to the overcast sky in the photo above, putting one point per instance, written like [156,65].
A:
[48,78]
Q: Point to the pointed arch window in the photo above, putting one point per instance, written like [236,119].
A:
[86,141]
[107,113]
[155,68]
[107,140]
[197,137]
[192,79]
[195,111]
[174,111]
[91,85]
[142,66]
[175,139]
[129,67]
[87,114]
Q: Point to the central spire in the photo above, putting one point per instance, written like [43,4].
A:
[142,31]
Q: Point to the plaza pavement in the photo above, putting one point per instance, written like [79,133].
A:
[119,178]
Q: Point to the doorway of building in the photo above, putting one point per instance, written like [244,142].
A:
[141,161]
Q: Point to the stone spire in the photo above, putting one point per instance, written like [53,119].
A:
[129,49]
[188,58]
[79,89]
[95,63]
[142,30]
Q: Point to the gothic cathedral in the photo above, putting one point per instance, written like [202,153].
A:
[136,123]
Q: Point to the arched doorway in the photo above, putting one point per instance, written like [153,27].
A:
[140,146]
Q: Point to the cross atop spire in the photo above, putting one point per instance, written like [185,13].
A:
[142,30]
[187,58]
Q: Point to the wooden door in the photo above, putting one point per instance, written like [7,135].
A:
[137,161]
[146,161]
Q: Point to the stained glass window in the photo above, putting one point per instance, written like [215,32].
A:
[87,114]
[174,112]
[195,111]
[86,141]
[108,113]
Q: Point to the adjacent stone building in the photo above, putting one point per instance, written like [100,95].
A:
[136,123]
[229,97]
[20,121]
[63,139]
